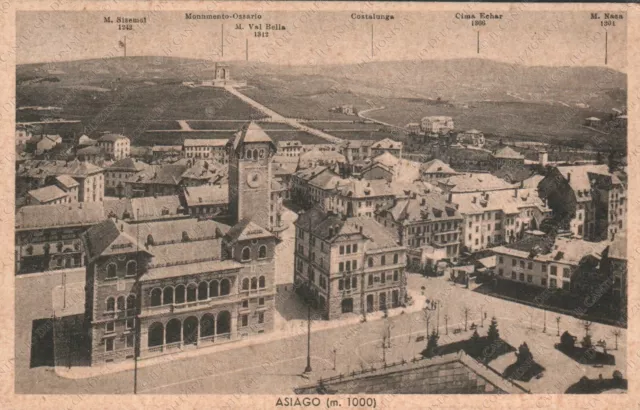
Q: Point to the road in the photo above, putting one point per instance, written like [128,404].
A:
[362,115]
[274,367]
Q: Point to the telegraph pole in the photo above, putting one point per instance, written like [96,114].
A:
[308,368]
[136,319]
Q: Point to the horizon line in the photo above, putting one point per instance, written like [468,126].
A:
[240,61]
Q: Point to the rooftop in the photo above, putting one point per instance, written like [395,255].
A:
[245,230]
[474,183]
[508,153]
[127,164]
[190,142]
[387,143]
[166,174]
[60,215]
[429,207]
[509,201]
[436,166]
[43,168]
[47,193]
[67,181]
[111,137]
[206,195]
[251,132]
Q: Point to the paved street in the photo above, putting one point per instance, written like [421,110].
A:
[253,368]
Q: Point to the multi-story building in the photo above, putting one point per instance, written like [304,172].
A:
[166,152]
[355,150]
[116,146]
[387,145]
[317,157]
[579,193]
[204,172]
[118,173]
[155,180]
[614,263]
[207,200]
[540,261]
[471,137]
[436,124]
[436,169]
[206,149]
[37,174]
[190,283]
[465,184]
[425,219]
[496,217]
[48,237]
[507,156]
[48,195]
[348,265]
[292,148]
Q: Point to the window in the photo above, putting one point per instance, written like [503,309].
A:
[129,340]
[514,262]
[383,260]
[262,282]
[354,248]
[340,284]
[254,283]
[262,252]
[543,281]
[370,262]
[245,303]
[245,320]
[245,284]
[121,303]
[108,345]
[395,275]
[348,266]
[566,273]
[110,327]
[566,286]
[501,272]
[370,280]
[395,258]
[341,267]
[156,297]
[513,275]
[111,304]
[554,271]
[553,283]
[131,302]
[522,277]
[246,254]
[354,282]
[522,264]
[383,277]
[348,249]
[129,324]
[544,268]
[341,249]
[354,265]
[530,265]
[347,284]
[261,301]
[111,271]
[261,317]
[132,267]
[530,278]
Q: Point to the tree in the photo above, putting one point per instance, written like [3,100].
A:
[432,345]
[492,333]
[586,341]
[465,312]
[475,338]
[558,318]
[567,340]
[524,354]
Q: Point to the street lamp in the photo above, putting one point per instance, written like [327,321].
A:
[308,368]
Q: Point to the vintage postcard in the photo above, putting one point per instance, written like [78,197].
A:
[371,205]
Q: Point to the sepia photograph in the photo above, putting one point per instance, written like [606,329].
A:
[354,202]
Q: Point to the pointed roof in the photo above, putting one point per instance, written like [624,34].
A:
[435,165]
[106,238]
[508,152]
[251,132]
[244,230]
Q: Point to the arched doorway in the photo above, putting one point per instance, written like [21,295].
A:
[347,305]
[174,330]
[207,325]
[382,299]
[156,334]
[190,330]
[369,303]
[223,323]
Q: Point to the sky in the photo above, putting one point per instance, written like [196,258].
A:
[323,37]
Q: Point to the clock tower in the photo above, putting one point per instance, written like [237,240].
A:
[250,154]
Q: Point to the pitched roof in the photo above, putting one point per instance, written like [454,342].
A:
[426,207]
[533,181]
[513,174]
[42,168]
[251,132]
[206,195]
[90,150]
[387,159]
[245,230]
[379,236]
[437,166]
[67,181]
[387,143]
[474,183]
[165,174]
[505,200]
[579,178]
[327,180]
[284,168]
[59,215]
[127,164]
[508,153]
[191,142]
[316,154]
[563,250]
[309,173]
[149,207]
[47,193]
[109,238]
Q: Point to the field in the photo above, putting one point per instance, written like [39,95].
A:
[302,136]
[342,126]
[215,125]
[177,138]
[165,125]
[371,135]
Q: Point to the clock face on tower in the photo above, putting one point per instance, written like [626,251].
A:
[255,179]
